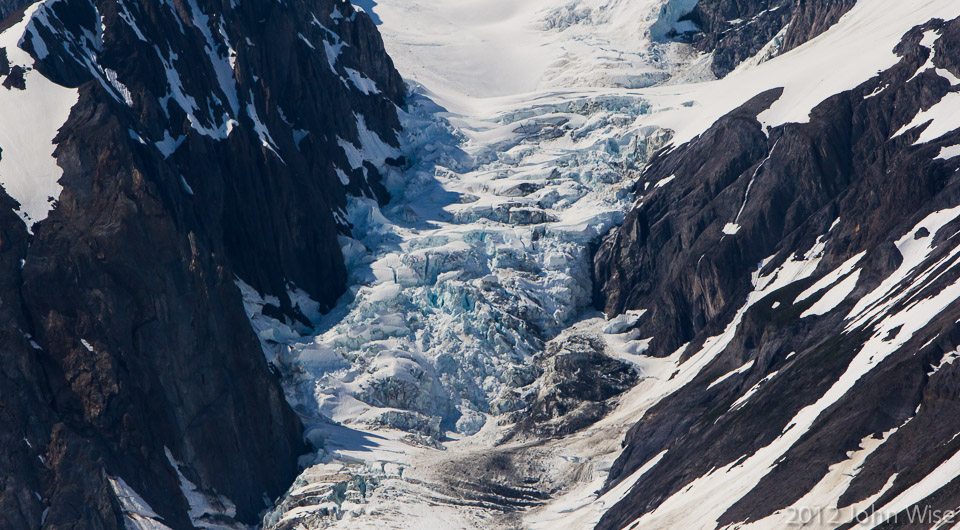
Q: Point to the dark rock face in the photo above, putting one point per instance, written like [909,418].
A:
[848,180]
[8,7]
[206,146]
[577,381]
[636,266]
[735,30]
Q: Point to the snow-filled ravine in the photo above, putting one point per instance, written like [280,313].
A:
[481,258]
[526,127]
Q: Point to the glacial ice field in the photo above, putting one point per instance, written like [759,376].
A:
[481,258]
[527,126]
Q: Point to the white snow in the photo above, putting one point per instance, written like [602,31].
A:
[939,119]
[362,82]
[879,90]
[344,179]
[834,296]
[930,37]
[715,492]
[177,93]
[838,293]
[915,252]
[136,136]
[664,181]
[622,323]
[751,391]
[844,56]
[819,507]
[28,170]
[222,64]
[372,149]
[491,48]
[306,41]
[946,153]
[731,373]
[731,229]
[928,485]
[124,13]
[332,51]
[169,144]
[948,358]
[186,187]
[137,514]
[120,87]
[261,129]
[208,510]
[830,278]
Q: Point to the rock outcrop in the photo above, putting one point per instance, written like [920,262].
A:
[816,262]
[574,390]
[206,144]
[736,30]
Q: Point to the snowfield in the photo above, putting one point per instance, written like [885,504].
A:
[527,126]
[28,170]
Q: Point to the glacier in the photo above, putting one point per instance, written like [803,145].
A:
[481,258]
[526,129]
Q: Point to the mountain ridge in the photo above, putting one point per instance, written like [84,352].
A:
[798,185]
[151,400]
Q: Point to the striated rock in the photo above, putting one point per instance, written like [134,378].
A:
[844,194]
[736,30]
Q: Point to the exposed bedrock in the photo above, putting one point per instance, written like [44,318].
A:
[805,257]
[210,143]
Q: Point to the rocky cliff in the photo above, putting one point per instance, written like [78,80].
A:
[810,270]
[162,154]
[737,30]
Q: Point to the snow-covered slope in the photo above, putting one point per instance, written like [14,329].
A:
[848,321]
[28,171]
[467,52]
[530,133]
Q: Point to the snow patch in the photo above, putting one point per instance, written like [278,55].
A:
[834,296]
[664,181]
[363,83]
[137,514]
[830,278]
[28,170]
[748,365]
[731,229]
[208,510]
